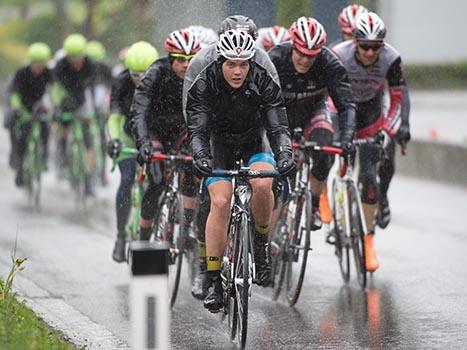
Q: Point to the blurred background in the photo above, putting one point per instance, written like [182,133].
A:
[432,47]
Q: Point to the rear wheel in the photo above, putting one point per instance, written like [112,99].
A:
[298,247]
[33,169]
[77,170]
[341,241]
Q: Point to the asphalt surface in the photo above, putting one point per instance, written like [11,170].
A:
[416,300]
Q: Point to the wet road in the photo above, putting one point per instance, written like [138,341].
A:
[416,300]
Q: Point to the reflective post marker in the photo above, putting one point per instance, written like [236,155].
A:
[149,296]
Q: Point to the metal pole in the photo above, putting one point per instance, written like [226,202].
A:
[149,296]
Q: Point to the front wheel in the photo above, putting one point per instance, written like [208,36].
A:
[357,236]
[298,247]
[243,279]
[169,227]
[342,244]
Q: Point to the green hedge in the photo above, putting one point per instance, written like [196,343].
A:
[437,76]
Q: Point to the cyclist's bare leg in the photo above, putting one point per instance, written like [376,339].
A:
[315,186]
[262,200]
[220,193]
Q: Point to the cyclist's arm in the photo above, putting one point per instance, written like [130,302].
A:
[142,102]
[399,107]
[198,110]
[277,126]
[342,95]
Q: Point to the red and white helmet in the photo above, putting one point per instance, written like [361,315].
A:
[236,44]
[308,35]
[206,36]
[348,17]
[369,26]
[273,36]
[182,42]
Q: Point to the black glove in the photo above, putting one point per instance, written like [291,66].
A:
[203,167]
[114,147]
[144,155]
[403,134]
[285,163]
[347,145]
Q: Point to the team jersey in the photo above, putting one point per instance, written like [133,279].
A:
[156,110]
[75,82]
[306,94]
[30,88]
[368,84]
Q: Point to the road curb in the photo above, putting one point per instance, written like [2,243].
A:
[76,327]
[434,161]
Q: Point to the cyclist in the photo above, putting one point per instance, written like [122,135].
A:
[159,124]
[371,63]
[272,36]
[140,56]
[101,93]
[206,36]
[26,94]
[75,74]
[308,72]
[202,59]
[224,108]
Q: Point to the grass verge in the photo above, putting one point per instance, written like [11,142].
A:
[21,329]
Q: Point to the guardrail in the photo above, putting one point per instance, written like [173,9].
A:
[434,161]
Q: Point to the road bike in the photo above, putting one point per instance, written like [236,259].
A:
[169,221]
[238,270]
[291,239]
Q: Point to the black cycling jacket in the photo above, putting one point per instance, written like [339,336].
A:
[307,93]
[156,111]
[74,81]
[214,108]
[121,97]
[30,88]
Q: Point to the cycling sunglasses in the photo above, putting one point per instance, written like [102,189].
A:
[367,47]
[179,57]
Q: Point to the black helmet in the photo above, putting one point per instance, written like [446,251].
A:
[239,22]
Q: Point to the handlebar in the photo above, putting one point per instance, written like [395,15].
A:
[159,156]
[245,172]
[313,146]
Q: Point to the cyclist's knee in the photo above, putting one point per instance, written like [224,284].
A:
[221,194]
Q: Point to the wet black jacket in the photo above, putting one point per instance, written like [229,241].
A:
[156,111]
[307,93]
[121,97]
[31,88]
[75,82]
[214,108]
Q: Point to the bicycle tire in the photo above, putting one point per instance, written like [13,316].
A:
[77,170]
[243,272]
[300,239]
[341,246]
[357,237]
[170,228]
[278,265]
[228,279]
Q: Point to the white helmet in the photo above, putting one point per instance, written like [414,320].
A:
[369,26]
[236,44]
[206,36]
[349,15]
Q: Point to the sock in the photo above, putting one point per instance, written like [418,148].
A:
[262,230]
[213,263]
[202,255]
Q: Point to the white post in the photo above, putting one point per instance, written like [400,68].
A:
[149,296]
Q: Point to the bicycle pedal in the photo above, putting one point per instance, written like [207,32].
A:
[215,311]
